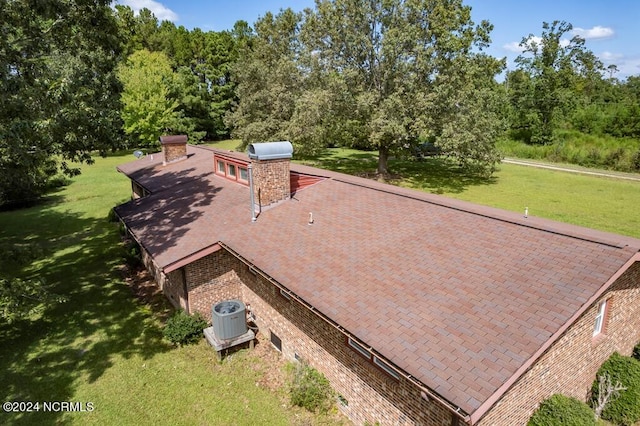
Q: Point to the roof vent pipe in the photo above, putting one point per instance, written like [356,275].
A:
[253,202]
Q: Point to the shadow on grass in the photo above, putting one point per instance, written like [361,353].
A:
[344,161]
[44,359]
[437,175]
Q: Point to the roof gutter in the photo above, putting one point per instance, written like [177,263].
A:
[488,404]
[191,258]
[426,393]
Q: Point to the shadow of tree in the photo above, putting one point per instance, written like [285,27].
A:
[43,359]
[169,212]
[433,174]
[437,175]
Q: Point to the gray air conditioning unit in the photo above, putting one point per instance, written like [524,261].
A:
[229,319]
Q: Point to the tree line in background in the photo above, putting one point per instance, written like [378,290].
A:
[78,76]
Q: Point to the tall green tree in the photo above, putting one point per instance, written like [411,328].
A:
[268,79]
[58,90]
[554,67]
[201,61]
[382,74]
[148,109]
[412,70]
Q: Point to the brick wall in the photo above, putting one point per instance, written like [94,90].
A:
[174,289]
[210,280]
[174,148]
[372,395]
[172,285]
[570,365]
[271,181]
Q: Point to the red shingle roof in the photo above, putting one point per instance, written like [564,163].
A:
[458,295]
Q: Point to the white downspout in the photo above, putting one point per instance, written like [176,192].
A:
[253,208]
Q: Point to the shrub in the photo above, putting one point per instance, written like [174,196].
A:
[636,352]
[560,410]
[635,161]
[131,254]
[310,389]
[184,329]
[20,254]
[625,408]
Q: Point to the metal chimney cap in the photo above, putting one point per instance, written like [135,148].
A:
[173,139]
[270,150]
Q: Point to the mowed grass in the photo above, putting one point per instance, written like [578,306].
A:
[102,345]
[602,203]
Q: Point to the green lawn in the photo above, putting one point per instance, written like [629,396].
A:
[601,203]
[103,346]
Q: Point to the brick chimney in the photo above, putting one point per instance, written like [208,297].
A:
[270,163]
[174,148]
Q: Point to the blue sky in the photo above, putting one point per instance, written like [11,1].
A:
[611,28]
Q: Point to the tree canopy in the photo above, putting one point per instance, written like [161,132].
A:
[58,90]
[148,110]
[550,72]
[383,75]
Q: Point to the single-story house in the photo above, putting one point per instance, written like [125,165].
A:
[419,309]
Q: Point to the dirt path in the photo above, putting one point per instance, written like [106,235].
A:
[601,173]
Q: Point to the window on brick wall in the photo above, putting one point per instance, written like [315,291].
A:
[276,341]
[232,170]
[601,318]
[359,348]
[385,367]
[378,362]
[284,294]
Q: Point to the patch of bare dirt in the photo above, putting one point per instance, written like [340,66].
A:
[381,177]
[272,364]
[146,291]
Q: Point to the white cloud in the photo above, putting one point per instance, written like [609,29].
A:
[593,33]
[514,46]
[626,65]
[609,56]
[161,12]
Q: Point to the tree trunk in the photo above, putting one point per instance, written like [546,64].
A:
[383,158]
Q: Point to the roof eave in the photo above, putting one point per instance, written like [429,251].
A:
[502,390]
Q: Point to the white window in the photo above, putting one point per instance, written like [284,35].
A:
[386,367]
[244,175]
[221,167]
[598,327]
[359,348]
